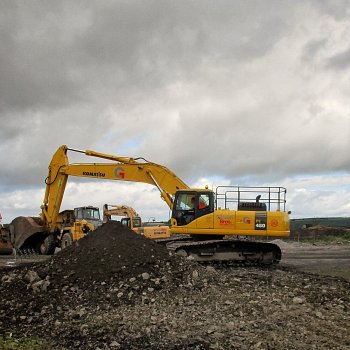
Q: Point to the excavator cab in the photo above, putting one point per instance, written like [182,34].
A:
[136,222]
[190,205]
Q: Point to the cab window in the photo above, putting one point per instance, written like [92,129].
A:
[136,222]
[78,213]
[203,201]
[125,222]
[185,201]
[87,214]
[95,214]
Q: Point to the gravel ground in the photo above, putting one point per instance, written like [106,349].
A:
[117,290]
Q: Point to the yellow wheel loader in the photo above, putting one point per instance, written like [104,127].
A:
[30,234]
[75,224]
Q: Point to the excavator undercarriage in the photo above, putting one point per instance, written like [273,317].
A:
[228,251]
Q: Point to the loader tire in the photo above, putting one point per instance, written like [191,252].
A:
[66,240]
[48,245]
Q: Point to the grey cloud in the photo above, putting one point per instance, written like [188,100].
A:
[205,88]
[34,64]
[339,9]
[56,54]
[340,61]
[26,152]
[312,48]
[252,145]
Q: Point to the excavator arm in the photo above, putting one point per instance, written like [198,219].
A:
[120,168]
[118,210]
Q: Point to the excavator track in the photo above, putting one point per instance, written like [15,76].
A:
[26,253]
[229,252]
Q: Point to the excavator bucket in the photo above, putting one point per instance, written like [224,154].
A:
[27,233]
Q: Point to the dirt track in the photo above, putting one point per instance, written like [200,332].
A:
[330,260]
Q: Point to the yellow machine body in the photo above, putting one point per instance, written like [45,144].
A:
[233,222]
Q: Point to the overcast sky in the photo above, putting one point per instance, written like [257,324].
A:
[221,92]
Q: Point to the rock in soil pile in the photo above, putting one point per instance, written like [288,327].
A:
[114,289]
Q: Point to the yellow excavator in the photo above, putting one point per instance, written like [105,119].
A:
[131,219]
[218,222]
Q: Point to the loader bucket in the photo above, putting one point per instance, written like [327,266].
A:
[5,249]
[27,233]
[5,244]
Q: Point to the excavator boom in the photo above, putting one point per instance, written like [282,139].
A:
[121,168]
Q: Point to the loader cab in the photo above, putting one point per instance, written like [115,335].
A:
[90,214]
[192,204]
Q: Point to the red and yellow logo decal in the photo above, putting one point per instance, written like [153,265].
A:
[247,220]
[274,223]
[225,220]
[119,173]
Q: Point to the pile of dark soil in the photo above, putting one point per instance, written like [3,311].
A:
[113,252]
[112,256]
[114,289]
